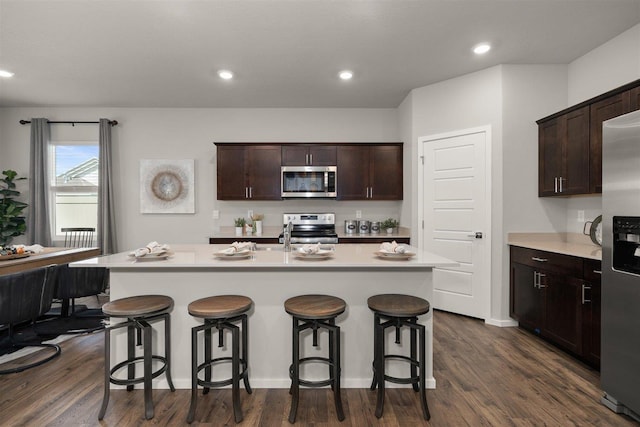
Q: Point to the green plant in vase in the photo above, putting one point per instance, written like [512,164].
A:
[12,222]
[389,225]
[239,223]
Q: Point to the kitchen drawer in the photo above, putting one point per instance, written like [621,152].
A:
[549,261]
[592,270]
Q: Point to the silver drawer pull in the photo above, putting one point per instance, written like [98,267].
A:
[597,271]
[585,288]
[540,276]
[535,258]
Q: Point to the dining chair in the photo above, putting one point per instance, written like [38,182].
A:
[78,237]
[24,297]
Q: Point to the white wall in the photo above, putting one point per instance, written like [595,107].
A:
[606,67]
[169,133]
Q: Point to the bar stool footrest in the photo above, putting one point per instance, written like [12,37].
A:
[225,382]
[314,383]
[137,380]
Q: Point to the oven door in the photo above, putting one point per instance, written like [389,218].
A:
[308,181]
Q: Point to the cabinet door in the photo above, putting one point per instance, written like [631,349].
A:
[294,155]
[591,312]
[549,157]
[634,95]
[385,174]
[600,111]
[323,155]
[231,173]
[526,299]
[263,167]
[563,310]
[353,172]
[575,157]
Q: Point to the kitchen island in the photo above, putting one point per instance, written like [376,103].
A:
[269,276]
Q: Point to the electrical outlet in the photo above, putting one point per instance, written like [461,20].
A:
[580,216]
[215,214]
[358,214]
[249,214]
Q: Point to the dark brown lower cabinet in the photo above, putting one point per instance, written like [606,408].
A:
[558,297]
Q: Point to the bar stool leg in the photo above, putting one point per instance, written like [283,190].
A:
[376,321]
[194,375]
[208,332]
[235,375]
[335,355]
[413,368]
[167,349]
[331,352]
[131,352]
[148,372]
[379,368]
[107,372]
[245,352]
[295,379]
[423,395]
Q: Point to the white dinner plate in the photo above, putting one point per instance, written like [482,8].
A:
[321,254]
[152,257]
[244,253]
[395,255]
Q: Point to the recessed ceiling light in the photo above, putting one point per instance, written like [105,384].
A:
[346,75]
[5,73]
[225,74]
[481,48]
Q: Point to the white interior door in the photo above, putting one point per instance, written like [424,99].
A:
[455,207]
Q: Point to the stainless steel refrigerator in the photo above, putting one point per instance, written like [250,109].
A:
[620,351]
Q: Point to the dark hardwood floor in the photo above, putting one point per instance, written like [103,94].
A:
[486,376]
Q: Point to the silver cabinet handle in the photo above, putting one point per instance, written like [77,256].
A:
[535,258]
[560,181]
[246,192]
[371,193]
[535,279]
[597,271]
[540,276]
[310,159]
[584,288]
[251,192]
[555,184]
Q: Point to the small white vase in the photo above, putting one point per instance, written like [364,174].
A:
[238,231]
[257,228]
[389,230]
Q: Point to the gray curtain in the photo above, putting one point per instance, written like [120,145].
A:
[106,211]
[38,224]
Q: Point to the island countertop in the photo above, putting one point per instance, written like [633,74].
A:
[271,256]
[269,278]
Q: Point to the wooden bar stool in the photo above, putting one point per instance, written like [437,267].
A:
[313,312]
[396,310]
[139,311]
[220,312]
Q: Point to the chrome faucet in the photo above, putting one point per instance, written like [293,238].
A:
[287,237]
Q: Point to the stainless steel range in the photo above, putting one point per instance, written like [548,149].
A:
[310,227]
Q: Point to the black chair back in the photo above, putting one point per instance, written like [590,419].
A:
[26,295]
[78,237]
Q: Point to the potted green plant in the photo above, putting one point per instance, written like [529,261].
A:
[389,224]
[12,223]
[239,223]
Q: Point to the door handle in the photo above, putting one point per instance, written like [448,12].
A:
[560,182]
[535,258]
[540,276]
[584,288]
[535,279]
[476,235]
[246,192]
[555,184]
[310,159]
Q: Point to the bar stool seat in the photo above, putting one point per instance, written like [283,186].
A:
[139,311]
[398,310]
[220,312]
[314,312]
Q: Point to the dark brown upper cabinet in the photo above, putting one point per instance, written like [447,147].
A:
[570,142]
[564,154]
[309,155]
[370,172]
[248,172]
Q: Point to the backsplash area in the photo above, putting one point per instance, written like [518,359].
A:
[590,205]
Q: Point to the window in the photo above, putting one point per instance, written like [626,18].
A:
[74,185]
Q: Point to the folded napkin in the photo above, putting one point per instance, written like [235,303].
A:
[392,248]
[310,249]
[238,247]
[151,248]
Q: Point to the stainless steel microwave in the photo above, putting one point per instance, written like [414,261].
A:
[309,181]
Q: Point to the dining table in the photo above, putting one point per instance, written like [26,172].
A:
[49,255]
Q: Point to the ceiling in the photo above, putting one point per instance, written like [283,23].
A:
[284,53]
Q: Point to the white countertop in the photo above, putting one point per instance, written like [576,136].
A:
[563,243]
[202,256]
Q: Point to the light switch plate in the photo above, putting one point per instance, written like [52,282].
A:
[215,214]
[358,214]
[580,216]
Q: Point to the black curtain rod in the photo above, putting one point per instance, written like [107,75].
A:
[111,122]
